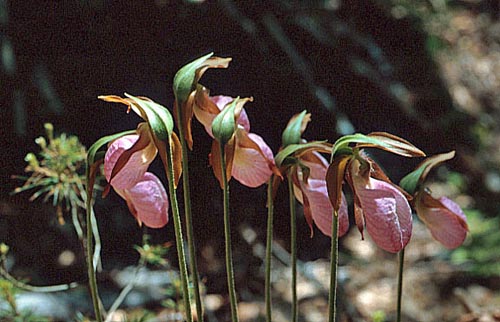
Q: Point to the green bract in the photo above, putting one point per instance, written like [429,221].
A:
[412,180]
[158,117]
[224,124]
[292,133]
[185,78]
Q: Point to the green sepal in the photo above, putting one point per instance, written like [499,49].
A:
[158,117]
[184,79]
[224,124]
[411,182]
[297,149]
[293,132]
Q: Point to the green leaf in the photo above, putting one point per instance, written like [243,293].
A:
[293,131]
[224,124]
[184,79]
[411,181]
[158,117]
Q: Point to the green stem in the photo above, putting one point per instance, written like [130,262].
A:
[179,241]
[334,262]
[193,267]
[269,248]
[90,261]
[227,236]
[293,248]
[30,288]
[400,284]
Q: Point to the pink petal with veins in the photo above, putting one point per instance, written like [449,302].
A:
[387,214]
[135,168]
[250,168]
[448,224]
[321,208]
[149,200]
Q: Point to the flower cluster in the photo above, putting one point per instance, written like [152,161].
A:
[379,205]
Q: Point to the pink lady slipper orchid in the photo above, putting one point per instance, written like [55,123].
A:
[442,216]
[307,169]
[249,159]
[312,193]
[127,159]
[144,193]
[381,206]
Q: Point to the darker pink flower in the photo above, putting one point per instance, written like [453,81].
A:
[144,193]
[443,217]
[381,206]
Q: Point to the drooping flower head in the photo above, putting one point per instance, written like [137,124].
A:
[444,218]
[186,88]
[306,167]
[129,156]
[379,204]
[248,158]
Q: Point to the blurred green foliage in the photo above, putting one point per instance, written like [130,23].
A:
[11,313]
[480,254]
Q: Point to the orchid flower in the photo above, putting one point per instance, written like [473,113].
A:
[311,192]
[144,193]
[307,169]
[379,204]
[442,216]
[186,88]
[249,159]
[127,159]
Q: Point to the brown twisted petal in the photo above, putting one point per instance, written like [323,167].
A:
[215,160]
[335,178]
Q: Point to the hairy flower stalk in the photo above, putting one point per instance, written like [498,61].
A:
[193,267]
[334,263]
[269,249]
[293,248]
[179,241]
[401,259]
[227,238]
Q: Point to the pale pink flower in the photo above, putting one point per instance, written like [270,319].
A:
[144,193]
[444,218]
[249,159]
